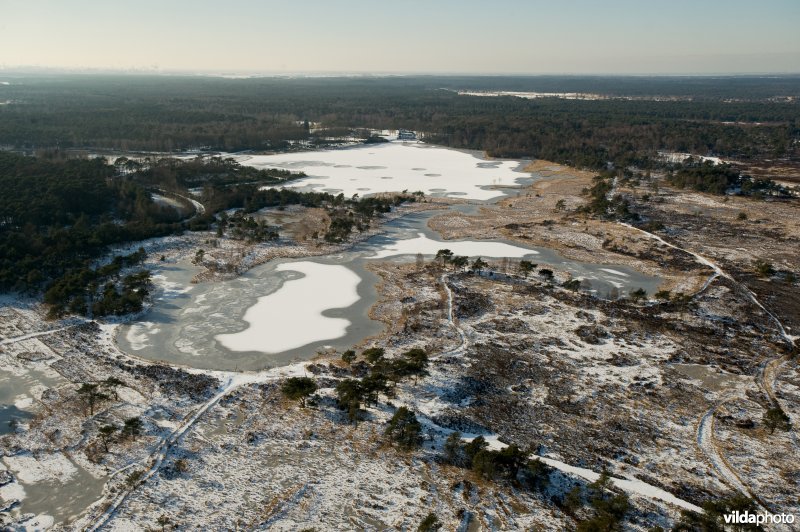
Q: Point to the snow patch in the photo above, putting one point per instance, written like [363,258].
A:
[23,402]
[138,334]
[614,272]
[30,469]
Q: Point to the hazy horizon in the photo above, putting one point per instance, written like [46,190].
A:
[619,37]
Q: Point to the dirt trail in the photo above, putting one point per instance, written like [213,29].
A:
[199,208]
[156,458]
[451,319]
[8,341]
[232,382]
[706,443]
[766,376]
[719,272]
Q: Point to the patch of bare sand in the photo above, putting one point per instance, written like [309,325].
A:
[551,169]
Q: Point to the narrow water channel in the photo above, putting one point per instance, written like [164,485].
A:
[245,324]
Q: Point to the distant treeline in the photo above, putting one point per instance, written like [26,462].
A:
[743,118]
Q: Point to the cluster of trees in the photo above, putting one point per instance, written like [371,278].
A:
[603,203]
[607,508]
[705,176]
[356,213]
[524,268]
[41,191]
[403,429]
[56,215]
[125,297]
[93,395]
[100,291]
[459,262]
[384,375]
[298,388]
[242,227]
[131,428]
[776,418]
[180,174]
[510,463]
[713,517]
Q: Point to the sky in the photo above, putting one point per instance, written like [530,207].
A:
[405,36]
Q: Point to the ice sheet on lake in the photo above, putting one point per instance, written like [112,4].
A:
[411,166]
[292,316]
[138,335]
[470,248]
[614,272]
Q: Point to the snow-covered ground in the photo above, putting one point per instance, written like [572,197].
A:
[531,95]
[677,157]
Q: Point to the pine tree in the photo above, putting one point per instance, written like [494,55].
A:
[404,429]
[299,388]
[776,418]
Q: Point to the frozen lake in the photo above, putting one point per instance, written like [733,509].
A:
[394,167]
[287,310]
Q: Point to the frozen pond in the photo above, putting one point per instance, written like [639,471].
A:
[17,394]
[394,167]
[286,310]
[710,378]
[50,485]
[291,325]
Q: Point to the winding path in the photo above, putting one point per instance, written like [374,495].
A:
[199,208]
[719,272]
[706,443]
[767,374]
[15,339]
[156,458]
[451,319]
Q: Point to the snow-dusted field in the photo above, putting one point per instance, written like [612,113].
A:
[394,167]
